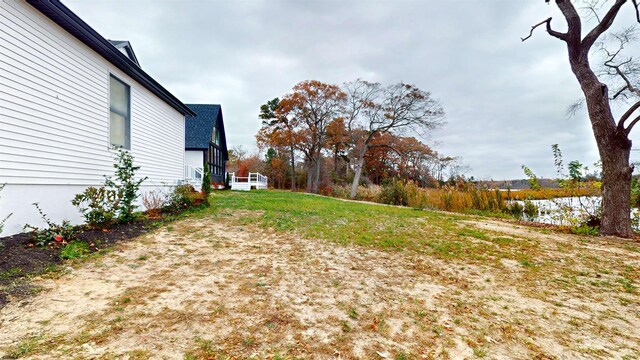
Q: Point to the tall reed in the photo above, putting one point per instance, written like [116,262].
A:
[463,197]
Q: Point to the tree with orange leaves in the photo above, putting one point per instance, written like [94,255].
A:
[397,156]
[275,167]
[380,159]
[313,105]
[337,139]
[372,110]
[415,155]
[279,131]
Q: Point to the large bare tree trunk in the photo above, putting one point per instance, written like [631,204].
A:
[614,147]
[611,137]
[616,191]
[356,178]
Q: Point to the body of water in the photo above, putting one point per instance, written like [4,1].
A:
[567,211]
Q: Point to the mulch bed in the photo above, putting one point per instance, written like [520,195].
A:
[19,259]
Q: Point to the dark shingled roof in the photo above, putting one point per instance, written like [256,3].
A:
[198,129]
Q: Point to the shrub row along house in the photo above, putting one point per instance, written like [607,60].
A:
[70,98]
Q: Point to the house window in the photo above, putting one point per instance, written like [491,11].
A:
[120,114]
[214,136]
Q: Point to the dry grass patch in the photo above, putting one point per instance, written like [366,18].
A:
[259,279]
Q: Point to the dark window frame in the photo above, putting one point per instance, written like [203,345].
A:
[214,159]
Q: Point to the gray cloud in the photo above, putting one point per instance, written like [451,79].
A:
[505,100]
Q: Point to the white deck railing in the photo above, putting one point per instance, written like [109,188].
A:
[193,172]
[193,175]
[253,181]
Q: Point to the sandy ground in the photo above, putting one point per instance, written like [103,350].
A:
[205,288]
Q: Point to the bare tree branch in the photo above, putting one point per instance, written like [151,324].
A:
[551,32]
[628,114]
[635,6]
[533,28]
[625,78]
[573,108]
[620,92]
[387,146]
[602,26]
[631,125]
[591,9]
[622,72]
[574,23]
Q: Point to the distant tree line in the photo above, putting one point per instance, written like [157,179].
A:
[320,135]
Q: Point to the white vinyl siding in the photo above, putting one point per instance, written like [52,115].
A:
[55,109]
[194,158]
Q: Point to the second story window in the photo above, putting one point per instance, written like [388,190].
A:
[120,114]
[214,136]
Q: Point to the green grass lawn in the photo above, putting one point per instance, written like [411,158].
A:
[541,264]
[336,220]
[439,234]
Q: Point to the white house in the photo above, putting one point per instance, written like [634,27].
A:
[68,97]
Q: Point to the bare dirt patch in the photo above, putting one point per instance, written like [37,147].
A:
[20,259]
[206,288]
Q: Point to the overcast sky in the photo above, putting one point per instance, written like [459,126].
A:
[505,100]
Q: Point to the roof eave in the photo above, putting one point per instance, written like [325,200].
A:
[65,18]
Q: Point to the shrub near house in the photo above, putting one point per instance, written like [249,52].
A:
[105,206]
[102,206]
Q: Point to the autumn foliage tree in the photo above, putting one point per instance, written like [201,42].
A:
[361,127]
[611,133]
[415,155]
[401,157]
[372,109]
[338,140]
[314,105]
[380,161]
[279,131]
[275,167]
[242,162]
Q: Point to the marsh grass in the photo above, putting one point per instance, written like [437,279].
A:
[461,197]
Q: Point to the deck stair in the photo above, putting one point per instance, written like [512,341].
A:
[193,176]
